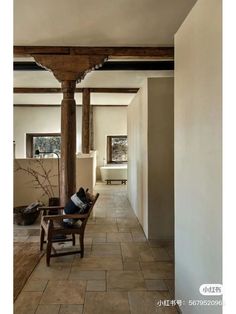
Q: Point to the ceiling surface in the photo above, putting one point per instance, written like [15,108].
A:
[98,22]
[140,23]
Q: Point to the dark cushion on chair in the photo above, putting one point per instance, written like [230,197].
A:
[78,204]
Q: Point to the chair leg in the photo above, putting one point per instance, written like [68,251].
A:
[81,240]
[42,233]
[49,248]
[73,239]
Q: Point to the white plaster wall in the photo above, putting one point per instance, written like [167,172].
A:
[137,156]
[107,121]
[151,157]
[198,149]
[161,158]
[39,120]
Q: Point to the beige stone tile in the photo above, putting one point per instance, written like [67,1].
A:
[101,228]
[131,265]
[76,273]
[124,229]
[105,221]
[119,237]
[98,263]
[133,250]
[48,309]
[146,255]
[68,259]
[34,239]
[125,281]
[100,240]
[146,302]
[97,237]
[121,213]
[91,220]
[34,232]
[156,284]
[35,285]
[87,241]
[127,222]
[94,235]
[55,271]
[71,309]
[64,292]
[96,285]
[20,232]
[100,213]
[105,249]
[157,270]
[27,302]
[20,238]
[138,236]
[106,303]
[161,254]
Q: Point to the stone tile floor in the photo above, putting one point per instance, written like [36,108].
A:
[121,272]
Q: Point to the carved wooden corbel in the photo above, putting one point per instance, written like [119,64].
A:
[69,67]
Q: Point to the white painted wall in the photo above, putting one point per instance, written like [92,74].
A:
[198,149]
[137,156]
[39,120]
[107,121]
[151,157]
[161,158]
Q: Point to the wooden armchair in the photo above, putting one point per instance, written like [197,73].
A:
[52,226]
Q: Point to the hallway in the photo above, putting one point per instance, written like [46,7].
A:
[121,272]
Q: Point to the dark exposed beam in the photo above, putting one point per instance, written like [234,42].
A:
[50,90]
[126,52]
[137,66]
[108,66]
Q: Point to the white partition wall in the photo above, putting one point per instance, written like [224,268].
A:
[198,224]
[151,157]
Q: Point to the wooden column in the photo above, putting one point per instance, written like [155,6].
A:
[86,121]
[91,135]
[68,141]
[69,70]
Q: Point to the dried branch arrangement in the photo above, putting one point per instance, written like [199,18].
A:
[41,176]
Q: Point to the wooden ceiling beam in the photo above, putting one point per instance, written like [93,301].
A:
[111,52]
[50,90]
[28,51]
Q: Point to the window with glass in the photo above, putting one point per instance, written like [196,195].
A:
[117,149]
[48,144]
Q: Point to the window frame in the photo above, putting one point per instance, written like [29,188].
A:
[29,141]
[109,149]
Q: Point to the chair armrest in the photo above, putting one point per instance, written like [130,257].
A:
[61,217]
[51,207]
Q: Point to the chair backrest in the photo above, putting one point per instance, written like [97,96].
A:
[92,198]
